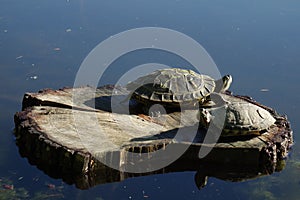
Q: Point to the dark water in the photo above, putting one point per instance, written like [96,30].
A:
[43,43]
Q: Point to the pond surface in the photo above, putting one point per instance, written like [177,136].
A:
[43,43]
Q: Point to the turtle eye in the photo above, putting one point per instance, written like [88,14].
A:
[189,78]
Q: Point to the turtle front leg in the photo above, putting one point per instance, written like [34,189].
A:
[204,117]
[205,102]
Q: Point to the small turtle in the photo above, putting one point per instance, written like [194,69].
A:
[236,117]
[173,86]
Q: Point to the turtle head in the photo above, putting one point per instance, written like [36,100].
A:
[227,80]
[223,84]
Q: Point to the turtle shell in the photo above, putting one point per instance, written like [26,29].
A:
[172,85]
[243,118]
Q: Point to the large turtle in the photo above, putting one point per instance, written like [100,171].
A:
[236,117]
[174,86]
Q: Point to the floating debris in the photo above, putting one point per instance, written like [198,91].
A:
[19,57]
[50,186]
[264,90]
[8,186]
[5,31]
[33,77]
[144,194]
[68,30]
[56,49]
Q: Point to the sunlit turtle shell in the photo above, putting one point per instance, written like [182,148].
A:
[173,85]
[239,117]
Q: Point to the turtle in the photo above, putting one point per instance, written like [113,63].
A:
[236,117]
[174,86]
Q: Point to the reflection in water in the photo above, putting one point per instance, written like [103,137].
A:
[103,174]
[231,173]
[69,171]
